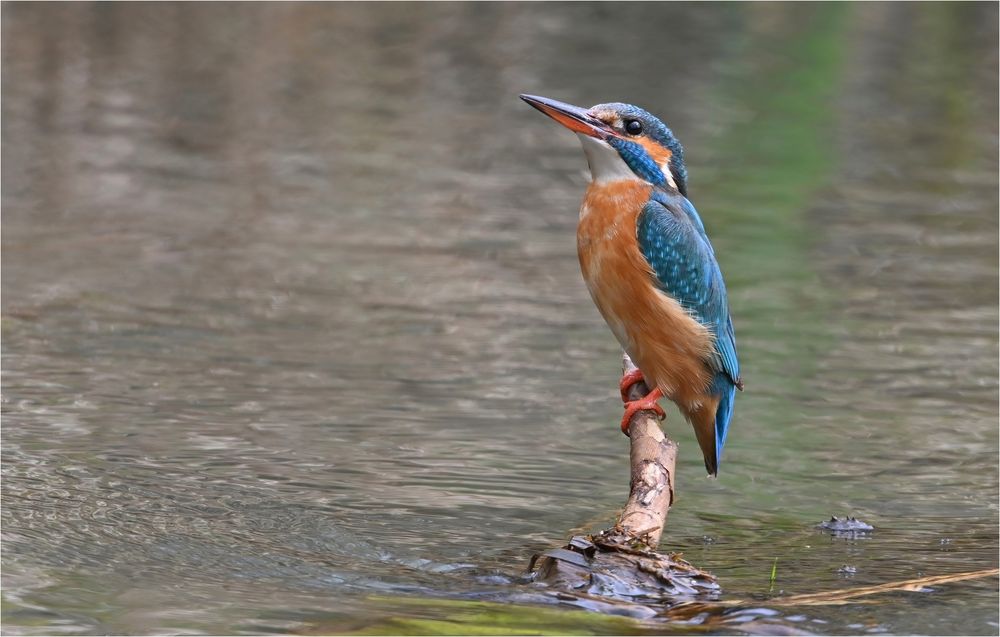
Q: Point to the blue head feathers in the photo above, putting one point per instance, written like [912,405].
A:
[647,147]
[645,144]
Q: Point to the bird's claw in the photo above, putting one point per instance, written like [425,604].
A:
[629,379]
[646,403]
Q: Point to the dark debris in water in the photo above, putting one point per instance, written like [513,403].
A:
[846,527]
[613,572]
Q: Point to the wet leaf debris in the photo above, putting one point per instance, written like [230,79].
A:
[847,526]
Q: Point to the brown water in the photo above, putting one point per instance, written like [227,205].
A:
[295,339]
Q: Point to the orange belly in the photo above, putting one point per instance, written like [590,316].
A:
[668,345]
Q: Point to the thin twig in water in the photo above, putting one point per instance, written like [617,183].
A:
[915,585]
[835,598]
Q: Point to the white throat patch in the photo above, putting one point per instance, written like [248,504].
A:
[606,165]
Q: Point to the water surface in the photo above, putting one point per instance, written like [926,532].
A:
[295,337]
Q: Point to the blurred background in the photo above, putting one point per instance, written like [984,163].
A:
[295,337]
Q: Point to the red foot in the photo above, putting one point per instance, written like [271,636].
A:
[629,379]
[649,402]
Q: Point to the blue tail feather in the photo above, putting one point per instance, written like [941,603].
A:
[724,414]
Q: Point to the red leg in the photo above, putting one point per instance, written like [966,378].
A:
[649,402]
[629,379]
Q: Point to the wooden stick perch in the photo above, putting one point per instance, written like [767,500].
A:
[619,568]
[652,457]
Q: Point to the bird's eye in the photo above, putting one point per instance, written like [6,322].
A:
[633,127]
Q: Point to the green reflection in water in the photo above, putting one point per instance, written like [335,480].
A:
[777,156]
[454,617]
[774,157]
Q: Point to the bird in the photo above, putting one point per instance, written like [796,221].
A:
[651,269]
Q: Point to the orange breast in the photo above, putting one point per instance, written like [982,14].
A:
[667,344]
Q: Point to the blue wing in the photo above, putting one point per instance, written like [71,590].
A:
[673,240]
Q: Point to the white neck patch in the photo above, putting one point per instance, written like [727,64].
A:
[669,176]
[606,165]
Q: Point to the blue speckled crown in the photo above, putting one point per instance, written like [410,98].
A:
[636,156]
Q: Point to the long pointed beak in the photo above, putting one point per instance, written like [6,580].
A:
[572,117]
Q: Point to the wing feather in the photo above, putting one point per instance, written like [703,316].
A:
[673,240]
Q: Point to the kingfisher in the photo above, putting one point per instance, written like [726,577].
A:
[651,269]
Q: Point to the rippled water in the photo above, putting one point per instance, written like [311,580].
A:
[294,334]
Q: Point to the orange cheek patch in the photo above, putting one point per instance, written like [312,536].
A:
[659,154]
